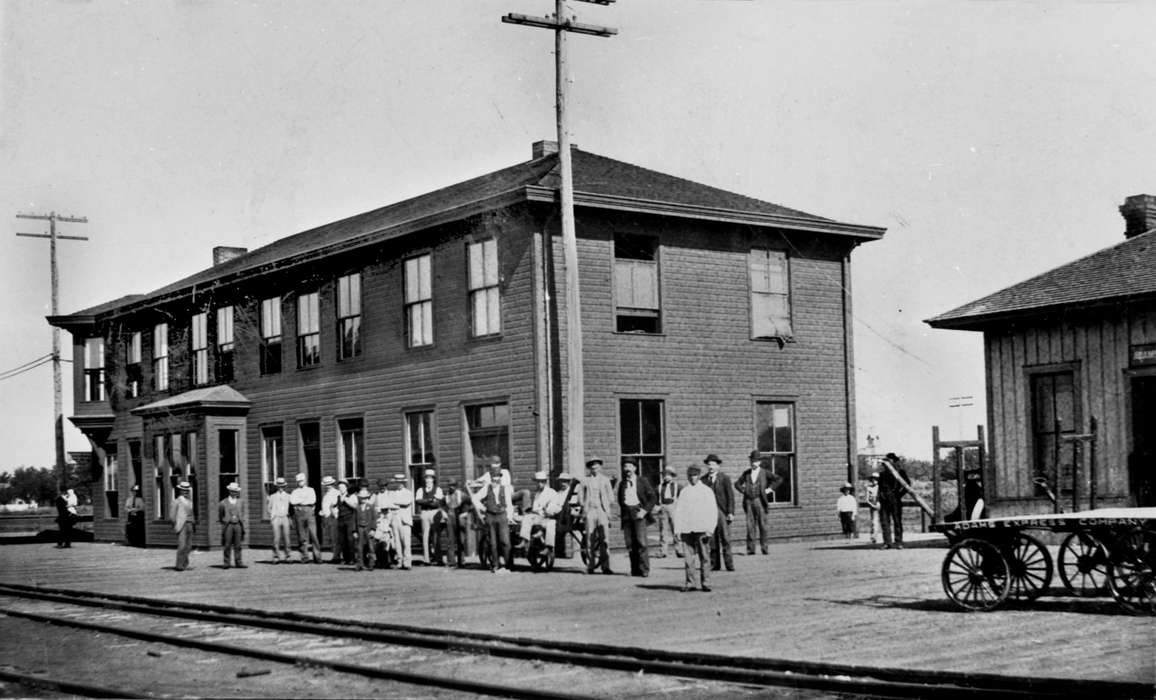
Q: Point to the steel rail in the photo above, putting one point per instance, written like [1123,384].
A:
[882,682]
[70,687]
[423,679]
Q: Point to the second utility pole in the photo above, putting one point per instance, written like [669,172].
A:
[561,23]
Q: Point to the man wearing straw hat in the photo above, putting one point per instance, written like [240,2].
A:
[184,523]
[232,514]
[278,512]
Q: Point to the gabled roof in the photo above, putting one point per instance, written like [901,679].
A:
[1123,272]
[599,182]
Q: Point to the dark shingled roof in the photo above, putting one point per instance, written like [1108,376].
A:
[1126,270]
[593,175]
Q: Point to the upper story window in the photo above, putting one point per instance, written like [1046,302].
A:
[271,335]
[199,337]
[308,331]
[485,307]
[770,294]
[161,357]
[418,301]
[348,316]
[636,284]
[132,371]
[94,369]
[225,344]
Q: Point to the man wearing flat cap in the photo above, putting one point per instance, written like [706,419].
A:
[232,515]
[278,510]
[720,543]
[184,523]
[597,497]
[757,485]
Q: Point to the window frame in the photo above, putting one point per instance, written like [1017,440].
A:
[225,343]
[776,456]
[272,440]
[111,479]
[483,282]
[348,310]
[427,431]
[497,432]
[161,357]
[308,329]
[94,370]
[162,491]
[1059,477]
[417,298]
[649,462]
[351,438]
[199,348]
[631,318]
[134,377]
[270,328]
[765,254]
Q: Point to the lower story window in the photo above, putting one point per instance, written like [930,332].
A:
[351,448]
[641,432]
[775,440]
[488,434]
[111,478]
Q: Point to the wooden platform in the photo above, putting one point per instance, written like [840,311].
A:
[809,601]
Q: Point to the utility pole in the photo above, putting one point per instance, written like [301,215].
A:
[562,22]
[53,236]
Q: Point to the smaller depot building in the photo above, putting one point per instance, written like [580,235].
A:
[431,333]
[1071,377]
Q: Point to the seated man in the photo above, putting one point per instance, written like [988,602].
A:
[543,510]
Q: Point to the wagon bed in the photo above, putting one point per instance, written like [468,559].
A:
[1106,551]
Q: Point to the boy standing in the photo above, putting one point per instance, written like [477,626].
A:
[846,507]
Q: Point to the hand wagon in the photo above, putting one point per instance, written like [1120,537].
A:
[1111,550]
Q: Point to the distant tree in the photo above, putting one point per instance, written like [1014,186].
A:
[29,484]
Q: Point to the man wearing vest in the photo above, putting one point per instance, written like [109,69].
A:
[457,517]
[667,496]
[636,498]
[232,514]
[346,521]
[430,501]
[757,485]
[597,495]
[720,544]
[496,506]
[366,520]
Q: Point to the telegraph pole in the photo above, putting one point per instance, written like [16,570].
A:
[53,236]
[562,22]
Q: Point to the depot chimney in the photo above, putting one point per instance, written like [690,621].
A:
[1139,212]
[225,253]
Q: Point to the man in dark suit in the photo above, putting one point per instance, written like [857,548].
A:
[720,544]
[757,484]
[891,500]
[636,499]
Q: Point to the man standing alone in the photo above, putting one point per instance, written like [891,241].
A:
[720,544]
[891,501]
[184,523]
[636,498]
[695,517]
[231,513]
[756,485]
[304,501]
[279,518]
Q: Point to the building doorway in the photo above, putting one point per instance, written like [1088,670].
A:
[1142,460]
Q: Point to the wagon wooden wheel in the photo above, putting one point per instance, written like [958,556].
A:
[1083,565]
[1029,567]
[975,575]
[1132,571]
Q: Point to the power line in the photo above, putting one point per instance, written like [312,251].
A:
[26,363]
[16,373]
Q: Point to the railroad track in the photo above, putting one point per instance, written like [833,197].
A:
[530,668]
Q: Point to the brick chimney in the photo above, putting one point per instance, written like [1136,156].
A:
[1139,212]
[543,148]
[225,253]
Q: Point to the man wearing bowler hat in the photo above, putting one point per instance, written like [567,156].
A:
[720,544]
[232,515]
[757,485]
[184,523]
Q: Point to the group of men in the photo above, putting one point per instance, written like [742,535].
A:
[362,527]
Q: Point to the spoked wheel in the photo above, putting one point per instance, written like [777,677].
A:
[540,556]
[1132,571]
[1084,565]
[975,575]
[1030,567]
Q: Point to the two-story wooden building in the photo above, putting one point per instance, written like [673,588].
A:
[1071,377]
[432,332]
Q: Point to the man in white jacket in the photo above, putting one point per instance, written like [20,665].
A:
[695,518]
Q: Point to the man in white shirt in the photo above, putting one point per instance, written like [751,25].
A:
[496,507]
[303,500]
[546,506]
[397,503]
[429,501]
[695,518]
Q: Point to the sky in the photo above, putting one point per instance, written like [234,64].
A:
[993,140]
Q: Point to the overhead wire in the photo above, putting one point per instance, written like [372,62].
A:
[26,367]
